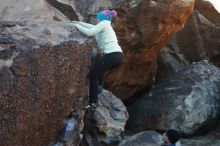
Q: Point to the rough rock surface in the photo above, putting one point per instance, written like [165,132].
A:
[211,139]
[141,39]
[143,28]
[146,138]
[105,125]
[187,101]
[202,141]
[43,68]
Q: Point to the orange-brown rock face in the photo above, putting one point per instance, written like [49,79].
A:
[198,40]
[143,29]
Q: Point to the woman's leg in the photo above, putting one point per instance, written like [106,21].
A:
[110,61]
[107,62]
[93,77]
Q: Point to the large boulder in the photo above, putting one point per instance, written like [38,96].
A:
[143,27]
[111,116]
[188,101]
[106,124]
[43,68]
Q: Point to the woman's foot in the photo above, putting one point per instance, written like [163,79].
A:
[99,89]
[90,106]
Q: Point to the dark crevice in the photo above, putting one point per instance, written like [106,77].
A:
[11,23]
[216,60]
[136,96]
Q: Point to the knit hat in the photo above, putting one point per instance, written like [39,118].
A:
[173,136]
[106,15]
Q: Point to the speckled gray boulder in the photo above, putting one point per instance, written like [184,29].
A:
[188,101]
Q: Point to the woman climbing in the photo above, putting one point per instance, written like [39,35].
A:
[111,52]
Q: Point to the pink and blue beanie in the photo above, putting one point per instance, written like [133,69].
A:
[106,15]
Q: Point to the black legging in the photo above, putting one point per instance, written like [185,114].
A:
[107,62]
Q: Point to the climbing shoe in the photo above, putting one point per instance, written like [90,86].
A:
[90,106]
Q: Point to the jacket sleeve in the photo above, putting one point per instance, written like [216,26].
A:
[91,31]
[87,25]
